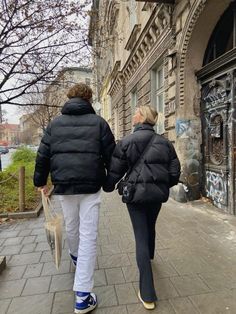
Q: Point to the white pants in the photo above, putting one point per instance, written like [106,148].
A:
[81,214]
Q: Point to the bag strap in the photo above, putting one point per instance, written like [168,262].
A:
[149,144]
[49,211]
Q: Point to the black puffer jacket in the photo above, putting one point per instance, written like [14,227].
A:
[76,149]
[154,176]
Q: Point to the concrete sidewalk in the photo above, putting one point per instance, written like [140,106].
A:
[194,267]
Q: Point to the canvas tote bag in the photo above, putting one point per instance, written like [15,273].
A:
[53,227]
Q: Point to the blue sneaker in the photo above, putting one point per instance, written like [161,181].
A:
[85,302]
[73,259]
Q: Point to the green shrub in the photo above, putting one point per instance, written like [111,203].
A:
[9,190]
[23,155]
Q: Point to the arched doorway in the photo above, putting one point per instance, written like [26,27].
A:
[218,113]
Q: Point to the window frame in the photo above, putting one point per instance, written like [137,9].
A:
[157,91]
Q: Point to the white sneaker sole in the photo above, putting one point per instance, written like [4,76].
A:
[89,309]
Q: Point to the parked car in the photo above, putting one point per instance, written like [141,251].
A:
[4,150]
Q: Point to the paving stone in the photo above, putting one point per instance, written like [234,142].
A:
[12,273]
[11,249]
[36,304]
[42,246]
[8,234]
[99,251]
[103,231]
[127,246]
[116,260]
[126,293]
[23,259]
[163,269]
[41,238]
[114,276]
[62,282]
[24,233]
[165,289]
[13,241]
[4,304]
[218,280]
[131,273]
[63,302]
[49,268]
[108,249]
[183,306]
[189,285]
[29,239]
[106,296]
[99,278]
[216,302]
[132,258]
[185,266]
[65,244]
[10,289]
[121,309]
[37,285]
[2,241]
[103,239]
[46,257]
[33,270]
[38,231]
[28,248]
[163,307]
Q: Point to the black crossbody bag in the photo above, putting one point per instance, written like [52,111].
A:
[126,188]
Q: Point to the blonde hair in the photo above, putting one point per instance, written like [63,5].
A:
[80,90]
[149,114]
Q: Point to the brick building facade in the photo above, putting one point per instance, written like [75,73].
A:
[178,55]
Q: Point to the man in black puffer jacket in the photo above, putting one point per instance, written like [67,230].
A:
[76,149]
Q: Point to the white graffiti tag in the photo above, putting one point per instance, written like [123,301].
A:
[216,187]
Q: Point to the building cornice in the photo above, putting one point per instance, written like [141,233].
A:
[159,23]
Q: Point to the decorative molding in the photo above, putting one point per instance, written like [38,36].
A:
[157,27]
[133,37]
[193,16]
[215,66]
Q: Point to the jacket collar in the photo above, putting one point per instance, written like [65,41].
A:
[143,126]
[77,106]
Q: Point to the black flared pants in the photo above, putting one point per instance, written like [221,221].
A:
[143,219]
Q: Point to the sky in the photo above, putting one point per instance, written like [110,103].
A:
[13,113]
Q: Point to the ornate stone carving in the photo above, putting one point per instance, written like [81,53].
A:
[194,14]
[159,22]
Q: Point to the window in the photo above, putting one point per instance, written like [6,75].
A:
[158,96]
[132,14]
[116,122]
[134,101]
[222,39]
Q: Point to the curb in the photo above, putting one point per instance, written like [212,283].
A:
[2,263]
[27,214]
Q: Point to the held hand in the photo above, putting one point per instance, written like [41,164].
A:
[44,189]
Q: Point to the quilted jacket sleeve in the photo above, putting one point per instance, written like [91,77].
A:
[118,168]
[42,165]
[174,166]
[107,143]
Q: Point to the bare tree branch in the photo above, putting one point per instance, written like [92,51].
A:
[36,40]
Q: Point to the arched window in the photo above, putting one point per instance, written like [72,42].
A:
[223,37]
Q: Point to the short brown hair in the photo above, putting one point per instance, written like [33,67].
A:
[149,114]
[80,90]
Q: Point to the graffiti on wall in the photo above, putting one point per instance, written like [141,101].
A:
[188,132]
[216,187]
